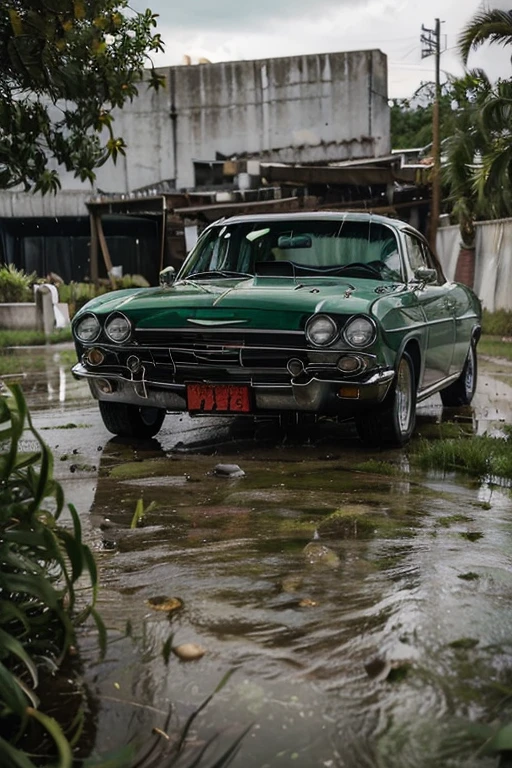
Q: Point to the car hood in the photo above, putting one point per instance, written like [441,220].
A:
[261,302]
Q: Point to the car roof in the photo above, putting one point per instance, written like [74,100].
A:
[324,215]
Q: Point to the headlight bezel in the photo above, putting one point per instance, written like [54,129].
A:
[95,336]
[114,316]
[372,332]
[315,319]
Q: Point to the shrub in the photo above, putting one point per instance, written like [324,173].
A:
[15,284]
[40,564]
[78,294]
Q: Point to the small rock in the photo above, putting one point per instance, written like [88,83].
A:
[189,651]
[291,583]
[392,671]
[164,603]
[228,470]
[306,602]
[319,554]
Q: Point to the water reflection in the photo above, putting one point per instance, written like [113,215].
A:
[44,373]
[420,580]
[301,635]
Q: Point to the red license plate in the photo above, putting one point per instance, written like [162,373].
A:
[218,398]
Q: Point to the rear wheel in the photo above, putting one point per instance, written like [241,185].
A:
[393,423]
[461,391]
[131,420]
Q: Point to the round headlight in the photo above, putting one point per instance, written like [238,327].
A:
[118,328]
[88,328]
[321,330]
[359,332]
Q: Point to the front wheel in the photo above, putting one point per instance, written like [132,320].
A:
[393,423]
[461,391]
[131,420]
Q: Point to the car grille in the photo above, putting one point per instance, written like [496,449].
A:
[205,339]
[223,355]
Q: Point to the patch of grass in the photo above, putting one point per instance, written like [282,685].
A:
[449,520]
[469,576]
[472,535]
[481,456]
[33,338]
[497,323]
[354,521]
[464,643]
[444,431]
[376,467]
[494,346]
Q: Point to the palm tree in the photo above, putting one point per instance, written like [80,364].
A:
[492,177]
[489,26]
[467,143]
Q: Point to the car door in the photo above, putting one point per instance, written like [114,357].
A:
[435,302]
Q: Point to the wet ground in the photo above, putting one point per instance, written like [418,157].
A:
[364,607]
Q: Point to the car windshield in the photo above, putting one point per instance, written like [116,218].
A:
[302,247]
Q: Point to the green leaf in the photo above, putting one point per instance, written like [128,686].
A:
[55,731]
[9,643]
[12,694]
[500,741]
[12,757]
[138,514]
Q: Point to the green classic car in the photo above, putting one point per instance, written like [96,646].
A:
[345,315]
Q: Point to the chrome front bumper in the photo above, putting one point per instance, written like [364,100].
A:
[316,395]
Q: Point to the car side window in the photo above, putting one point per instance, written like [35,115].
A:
[419,254]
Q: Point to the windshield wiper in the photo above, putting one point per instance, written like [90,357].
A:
[217,273]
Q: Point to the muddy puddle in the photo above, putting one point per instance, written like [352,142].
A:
[363,607]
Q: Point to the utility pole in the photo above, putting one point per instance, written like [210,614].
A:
[431,42]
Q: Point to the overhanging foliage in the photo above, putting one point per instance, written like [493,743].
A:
[63,67]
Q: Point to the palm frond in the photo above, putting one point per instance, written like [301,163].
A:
[491,26]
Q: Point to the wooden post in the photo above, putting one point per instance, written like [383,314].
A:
[93,268]
[436,144]
[105,251]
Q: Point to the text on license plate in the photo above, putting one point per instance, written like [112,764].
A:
[227,398]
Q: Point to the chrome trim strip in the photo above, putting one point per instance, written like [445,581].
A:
[80,372]
[221,330]
[437,387]
[211,323]
[381,377]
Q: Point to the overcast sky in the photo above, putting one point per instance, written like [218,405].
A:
[224,30]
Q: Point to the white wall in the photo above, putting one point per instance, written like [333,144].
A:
[493,260]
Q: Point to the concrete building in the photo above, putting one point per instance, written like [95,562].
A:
[314,109]
[301,109]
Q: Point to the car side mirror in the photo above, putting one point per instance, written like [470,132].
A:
[167,276]
[425,275]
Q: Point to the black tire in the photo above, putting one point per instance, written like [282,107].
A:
[131,420]
[393,423]
[461,392]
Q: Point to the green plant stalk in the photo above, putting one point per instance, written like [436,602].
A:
[40,564]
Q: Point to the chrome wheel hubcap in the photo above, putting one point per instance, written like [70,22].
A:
[470,373]
[403,396]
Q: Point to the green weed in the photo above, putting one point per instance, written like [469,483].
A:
[481,456]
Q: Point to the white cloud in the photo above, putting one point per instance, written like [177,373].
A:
[230,30]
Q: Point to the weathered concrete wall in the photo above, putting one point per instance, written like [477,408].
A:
[16,204]
[304,109]
[19,317]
